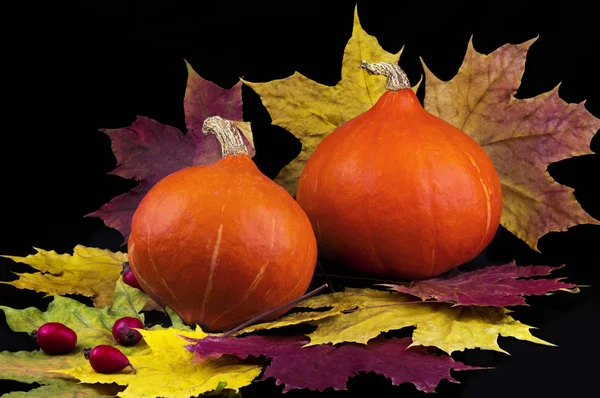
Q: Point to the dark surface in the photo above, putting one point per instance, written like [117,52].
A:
[75,69]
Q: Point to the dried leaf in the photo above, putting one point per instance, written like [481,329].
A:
[496,286]
[521,136]
[93,327]
[311,110]
[295,366]
[89,271]
[168,370]
[369,312]
[148,151]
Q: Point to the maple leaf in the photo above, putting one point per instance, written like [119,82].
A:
[92,325]
[521,136]
[362,314]
[294,366]
[292,319]
[168,370]
[89,271]
[148,151]
[311,110]
[496,286]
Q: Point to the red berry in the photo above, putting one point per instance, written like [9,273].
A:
[107,359]
[123,331]
[129,277]
[55,338]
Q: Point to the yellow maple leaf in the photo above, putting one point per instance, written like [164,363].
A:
[169,371]
[291,320]
[521,136]
[89,271]
[369,312]
[311,110]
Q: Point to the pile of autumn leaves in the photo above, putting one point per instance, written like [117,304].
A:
[160,355]
[453,313]
[178,361]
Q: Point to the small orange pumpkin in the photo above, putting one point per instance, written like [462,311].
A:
[222,243]
[398,192]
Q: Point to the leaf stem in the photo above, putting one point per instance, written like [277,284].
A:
[326,276]
[267,313]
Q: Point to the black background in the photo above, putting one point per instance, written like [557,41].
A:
[73,69]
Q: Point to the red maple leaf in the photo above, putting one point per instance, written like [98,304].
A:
[322,366]
[148,151]
[495,286]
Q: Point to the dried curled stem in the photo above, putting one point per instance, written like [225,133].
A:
[396,78]
[228,135]
[259,317]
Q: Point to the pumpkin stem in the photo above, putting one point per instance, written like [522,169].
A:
[228,135]
[396,78]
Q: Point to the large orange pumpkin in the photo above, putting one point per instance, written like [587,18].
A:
[398,192]
[222,243]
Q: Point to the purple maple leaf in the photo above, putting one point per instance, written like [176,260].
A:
[148,151]
[322,366]
[494,286]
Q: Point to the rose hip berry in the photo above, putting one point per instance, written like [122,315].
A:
[107,359]
[55,338]
[129,277]
[123,331]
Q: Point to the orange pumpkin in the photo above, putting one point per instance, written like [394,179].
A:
[222,243]
[398,192]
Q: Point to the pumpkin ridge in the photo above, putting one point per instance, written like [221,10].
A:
[254,283]
[430,196]
[153,264]
[213,266]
